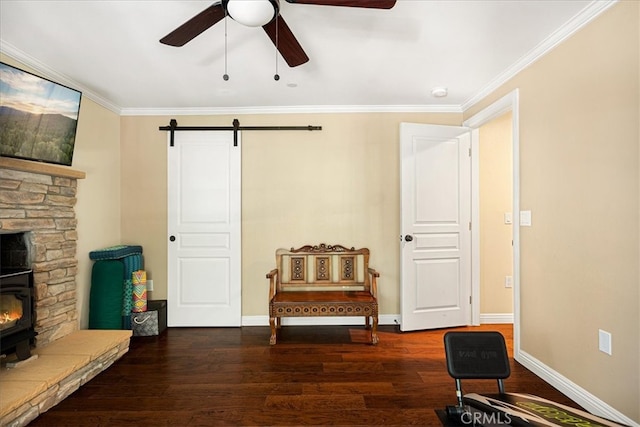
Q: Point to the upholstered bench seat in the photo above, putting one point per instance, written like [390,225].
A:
[324,303]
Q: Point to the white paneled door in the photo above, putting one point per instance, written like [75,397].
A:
[435,226]
[204,276]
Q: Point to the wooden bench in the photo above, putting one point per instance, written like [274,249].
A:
[323,280]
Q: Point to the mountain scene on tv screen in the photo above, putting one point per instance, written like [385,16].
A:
[48,137]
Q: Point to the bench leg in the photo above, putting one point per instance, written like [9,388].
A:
[272,323]
[366,322]
[374,330]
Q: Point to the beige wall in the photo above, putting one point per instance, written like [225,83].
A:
[97,153]
[496,190]
[338,185]
[579,164]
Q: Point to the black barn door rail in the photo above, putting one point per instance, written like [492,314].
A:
[173,127]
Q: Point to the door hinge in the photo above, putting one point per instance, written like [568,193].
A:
[469,225]
[469,299]
[469,151]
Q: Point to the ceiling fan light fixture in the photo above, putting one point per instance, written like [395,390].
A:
[252,13]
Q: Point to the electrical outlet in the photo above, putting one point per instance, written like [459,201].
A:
[149,285]
[508,281]
[604,341]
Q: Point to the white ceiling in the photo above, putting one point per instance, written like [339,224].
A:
[359,58]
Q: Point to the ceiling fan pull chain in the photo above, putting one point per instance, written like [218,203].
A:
[276,77]
[225,77]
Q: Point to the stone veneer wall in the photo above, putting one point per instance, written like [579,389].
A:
[42,205]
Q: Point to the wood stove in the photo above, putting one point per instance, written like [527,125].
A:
[17,332]
[16,312]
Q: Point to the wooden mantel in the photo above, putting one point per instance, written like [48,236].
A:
[41,168]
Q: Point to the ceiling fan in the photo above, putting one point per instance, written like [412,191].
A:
[256,13]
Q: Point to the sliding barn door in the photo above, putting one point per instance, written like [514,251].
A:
[203,239]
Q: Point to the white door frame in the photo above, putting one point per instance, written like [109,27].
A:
[509,102]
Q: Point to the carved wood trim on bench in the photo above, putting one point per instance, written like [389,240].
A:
[323,248]
[323,280]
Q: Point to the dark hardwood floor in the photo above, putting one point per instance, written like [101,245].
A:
[313,376]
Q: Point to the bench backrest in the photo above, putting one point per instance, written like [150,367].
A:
[323,267]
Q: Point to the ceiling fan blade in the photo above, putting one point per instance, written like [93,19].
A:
[194,26]
[369,4]
[286,42]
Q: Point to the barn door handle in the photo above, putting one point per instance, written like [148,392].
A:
[172,238]
[408,238]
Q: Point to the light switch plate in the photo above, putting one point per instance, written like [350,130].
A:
[508,218]
[508,282]
[604,341]
[525,218]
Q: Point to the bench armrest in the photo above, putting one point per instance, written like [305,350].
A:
[374,282]
[272,273]
[273,278]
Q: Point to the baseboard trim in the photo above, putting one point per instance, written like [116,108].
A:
[572,390]
[496,318]
[385,319]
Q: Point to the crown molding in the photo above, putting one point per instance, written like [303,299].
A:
[586,15]
[297,109]
[49,73]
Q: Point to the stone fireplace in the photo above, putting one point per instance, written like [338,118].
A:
[37,204]
[38,200]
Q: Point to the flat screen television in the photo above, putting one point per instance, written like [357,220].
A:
[38,118]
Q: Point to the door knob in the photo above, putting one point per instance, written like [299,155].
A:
[172,238]
[408,238]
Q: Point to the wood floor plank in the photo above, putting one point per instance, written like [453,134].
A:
[362,367]
[360,388]
[315,375]
[315,402]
